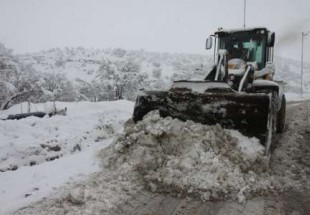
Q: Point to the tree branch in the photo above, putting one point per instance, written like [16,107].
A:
[15,95]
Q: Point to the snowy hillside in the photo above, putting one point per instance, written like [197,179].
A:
[80,63]
[83,64]
[93,71]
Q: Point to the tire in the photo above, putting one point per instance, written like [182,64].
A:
[272,123]
[281,116]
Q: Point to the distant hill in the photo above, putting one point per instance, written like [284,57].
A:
[290,71]
[108,74]
[83,64]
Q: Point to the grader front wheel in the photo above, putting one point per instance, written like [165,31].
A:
[272,122]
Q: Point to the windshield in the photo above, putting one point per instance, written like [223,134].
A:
[247,46]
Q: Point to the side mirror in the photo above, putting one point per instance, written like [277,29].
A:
[209,43]
[271,39]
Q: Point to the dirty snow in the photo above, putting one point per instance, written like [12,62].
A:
[100,194]
[187,158]
[249,146]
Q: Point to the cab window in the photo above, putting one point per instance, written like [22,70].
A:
[244,45]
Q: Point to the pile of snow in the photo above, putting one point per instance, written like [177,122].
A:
[187,158]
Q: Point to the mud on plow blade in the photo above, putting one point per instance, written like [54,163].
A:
[245,112]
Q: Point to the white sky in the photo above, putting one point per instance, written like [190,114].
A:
[155,25]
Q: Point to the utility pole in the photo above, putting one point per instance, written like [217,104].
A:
[244,11]
[302,61]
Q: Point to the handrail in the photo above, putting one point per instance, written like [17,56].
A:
[244,78]
[222,53]
[218,68]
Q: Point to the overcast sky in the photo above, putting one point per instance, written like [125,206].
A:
[155,25]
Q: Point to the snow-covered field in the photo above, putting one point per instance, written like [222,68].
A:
[45,153]
[40,156]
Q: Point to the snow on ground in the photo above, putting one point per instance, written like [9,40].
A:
[32,140]
[163,155]
[29,184]
[291,97]
[47,152]
[217,165]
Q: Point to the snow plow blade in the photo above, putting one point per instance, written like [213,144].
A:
[245,112]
